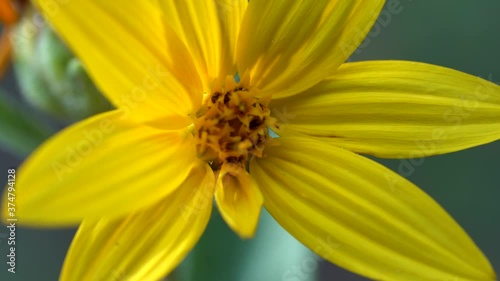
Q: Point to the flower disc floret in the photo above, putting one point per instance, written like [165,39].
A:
[232,126]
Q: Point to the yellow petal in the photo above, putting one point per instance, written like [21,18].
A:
[209,30]
[398,109]
[288,46]
[362,216]
[239,200]
[231,14]
[148,244]
[124,48]
[103,166]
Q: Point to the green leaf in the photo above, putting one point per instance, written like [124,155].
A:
[21,131]
[273,255]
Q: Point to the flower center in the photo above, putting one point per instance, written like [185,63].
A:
[232,127]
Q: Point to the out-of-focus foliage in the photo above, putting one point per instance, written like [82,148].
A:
[21,132]
[50,77]
[272,255]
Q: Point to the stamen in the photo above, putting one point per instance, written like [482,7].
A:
[232,126]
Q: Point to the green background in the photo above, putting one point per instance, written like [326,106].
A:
[459,34]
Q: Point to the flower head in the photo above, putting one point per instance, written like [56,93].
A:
[142,177]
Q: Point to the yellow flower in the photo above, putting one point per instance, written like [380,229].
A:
[143,176]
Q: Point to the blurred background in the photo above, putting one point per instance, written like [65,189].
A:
[463,35]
